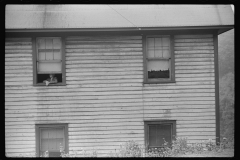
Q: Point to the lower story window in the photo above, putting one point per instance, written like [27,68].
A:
[157,132]
[49,139]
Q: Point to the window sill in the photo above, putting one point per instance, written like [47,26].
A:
[56,84]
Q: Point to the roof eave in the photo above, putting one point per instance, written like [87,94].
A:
[221,29]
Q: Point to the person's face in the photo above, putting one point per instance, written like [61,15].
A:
[51,76]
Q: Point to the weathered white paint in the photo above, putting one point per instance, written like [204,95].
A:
[105,101]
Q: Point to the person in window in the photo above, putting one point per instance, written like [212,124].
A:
[52,79]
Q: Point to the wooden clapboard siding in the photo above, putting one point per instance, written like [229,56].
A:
[194,68]
[105,101]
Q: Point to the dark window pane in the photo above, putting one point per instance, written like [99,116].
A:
[159,133]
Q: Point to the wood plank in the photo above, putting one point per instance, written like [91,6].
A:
[195,52]
[18,47]
[174,99]
[195,79]
[72,98]
[196,125]
[20,143]
[7,43]
[7,71]
[81,58]
[178,56]
[194,71]
[27,63]
[73,93]
[7,134]
[181,48]
[18,59]
[16,146]
[32,138]
[104,50]
[104,61]
[193,44]
[109,41]
[18,55]
[73,74]
[19,130]
[18,51]
[148,103]
[20,150]
[194,67]
[194,60]
[77,113]
[193,36]
[102,37]
[186,134]
[113,77]
[70,54]
[106,65]
[194,63]
[102,140]
[22,39]
[18,75]
[103,46]
[18,83]
[204,40]
[105,81]
[18,67]
[186,93]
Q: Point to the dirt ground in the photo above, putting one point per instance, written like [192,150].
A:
[224,153]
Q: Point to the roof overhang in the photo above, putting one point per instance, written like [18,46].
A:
[221,29]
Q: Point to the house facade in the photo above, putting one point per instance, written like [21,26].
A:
[125,72]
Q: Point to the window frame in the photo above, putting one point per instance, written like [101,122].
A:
[35,52]
[158,122]
[172,71]
[38,128]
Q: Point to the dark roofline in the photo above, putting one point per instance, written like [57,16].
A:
[221,28]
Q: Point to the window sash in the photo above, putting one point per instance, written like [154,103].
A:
[160,76]
[61,71]
[158,141]
[49,52]
[63,134]
[149,123]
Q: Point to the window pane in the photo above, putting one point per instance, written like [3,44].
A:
[41,55]
[41,43]
[152,135]
[55,67]
[159,133]
[56,43]
[158,53]
[57,55]
[166,52]
[158,69]
[165,41]
[49,55]
[151,53]
[158,42]
[150,42]
[49,43]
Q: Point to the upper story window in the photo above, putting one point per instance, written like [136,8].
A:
[49,61]
[159,59]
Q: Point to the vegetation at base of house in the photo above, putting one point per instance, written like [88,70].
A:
[178,147]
